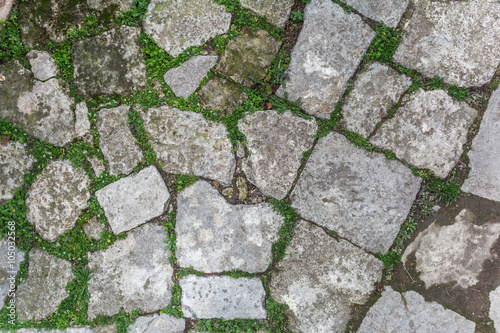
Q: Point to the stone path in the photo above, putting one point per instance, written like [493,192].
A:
[249,166]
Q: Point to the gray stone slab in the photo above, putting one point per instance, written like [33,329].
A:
[97,329]
[93,229]
[97,165]
[388,11]
[134,200]
[10,259]
[158,324]
[100,5]
[222,94]
[82,123]
[276,11]
[495,308]
[5,7]
[15,161]
[329,48]
[222,297]
[320,278]
[42,65]
[367,200]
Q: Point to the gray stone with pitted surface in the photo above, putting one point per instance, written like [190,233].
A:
[121,5]
[82,123]
[42,65]
[222,94]
[388,11]
[93,229]
[15,161]
[5,7]
[162,323]
[495,307]
[276,11]
[10,259]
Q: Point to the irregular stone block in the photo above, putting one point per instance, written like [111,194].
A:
[100,5]
[5,7]
[10,259]
[276,11]
[42,65]
[388,11]
[163,323]
[222,94]
[93,229]
[495,307]
[15,161]
[82,123]
[97,165]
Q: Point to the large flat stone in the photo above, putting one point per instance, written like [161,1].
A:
[187,143]
[276,143]
[495,307]
[428,131]
[222,297]
[133,273]
[329,48]
[134,200]
[222,94]
[320,278]
[388,11]
[10,259]
[163,323]
[359,194]
[15,161]
[42,64]
[276,11]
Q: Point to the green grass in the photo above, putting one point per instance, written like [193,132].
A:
[384,44]
[11,47]
[283,208]
[443,190]
[184,181]
[458,93]
[133,17]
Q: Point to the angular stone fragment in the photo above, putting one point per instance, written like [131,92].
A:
[5,7]
[42,65]
[100,5]
[178,24]
[222,94]
[93,229]
[56,199]
[328,51]
[187,143]
[453,40]
[116,141]
[359,194]
[185,79]
[214,236]
[495,308]
[44,289]
[276,143]
[97,165]
[222,297]
[134,200]
[388,11]
[10,259]
[163,323]
[15,161]
[110,63]
[276,11]
[409,312]
[454,253]
[320,278]
[428,131]
[82,124]
[133,273]
[376,90]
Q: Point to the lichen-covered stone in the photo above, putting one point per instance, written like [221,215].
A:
[276,143]
[10,259]
[110,63]
[329,48]
[162,323]
[221,94]
[241,185]
[57,198]
[276,11]
[93,229]
[15,161]
[44,289]
[320,278]
[359,194]
[5,7]
[178,24]
[119,5]
[133,273]
[187,143]
[495,308]
[428,131]
[247,58]
[82,123]
[42,65]
[388,11]
[97,165]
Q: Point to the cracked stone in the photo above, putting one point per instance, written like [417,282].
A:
[388,11]
[221,94]
[15,161]
[93,229]
[163,323]
[43,66]
[276,11]
[10,259]
[82,123]
[495,307]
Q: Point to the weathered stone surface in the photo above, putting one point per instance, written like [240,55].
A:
[428,131]
[248,57]
[276,11]
[15,161]
[441,40]
[388,11]
[320,278]
[121,5]
[10,258]
[376,90]
[187,143]
[328,51]
[82,123]
[495,308]
[221,94]
[178,24]
[484,177]
[454,253]
[57,198]
[163,323]
[215,236]
[5,7]
[134,200]
[93,229]
[222,297]
[409,312]
[276,143]
[241,185]
[44,289]
[133,273]
[42,65]
[97,165]
[110,63]
[97,329]
[116,141]
[185,79]
[359,194]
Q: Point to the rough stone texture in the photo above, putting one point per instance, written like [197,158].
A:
[359,194]
[222,297]
[121,5]
[376,90]
[44,289]
[428,131]
[97,165]
[15,161]
[163,323]
[134,200]
[133,273]
[215,236]
[185,79]
[94,229]
[187,143]
[320,278]
[276,143]
[117,142]
[82,123]
[178,24]
[389,11]
[56,199]
[454,253]
[495,308]
[410,313]
[328,51]
[5,7]
[42,65]
[110,63]
[276,11]
[453,40]
[221,94]
[484,177]
[10,258]
[248,57]
[97,329]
